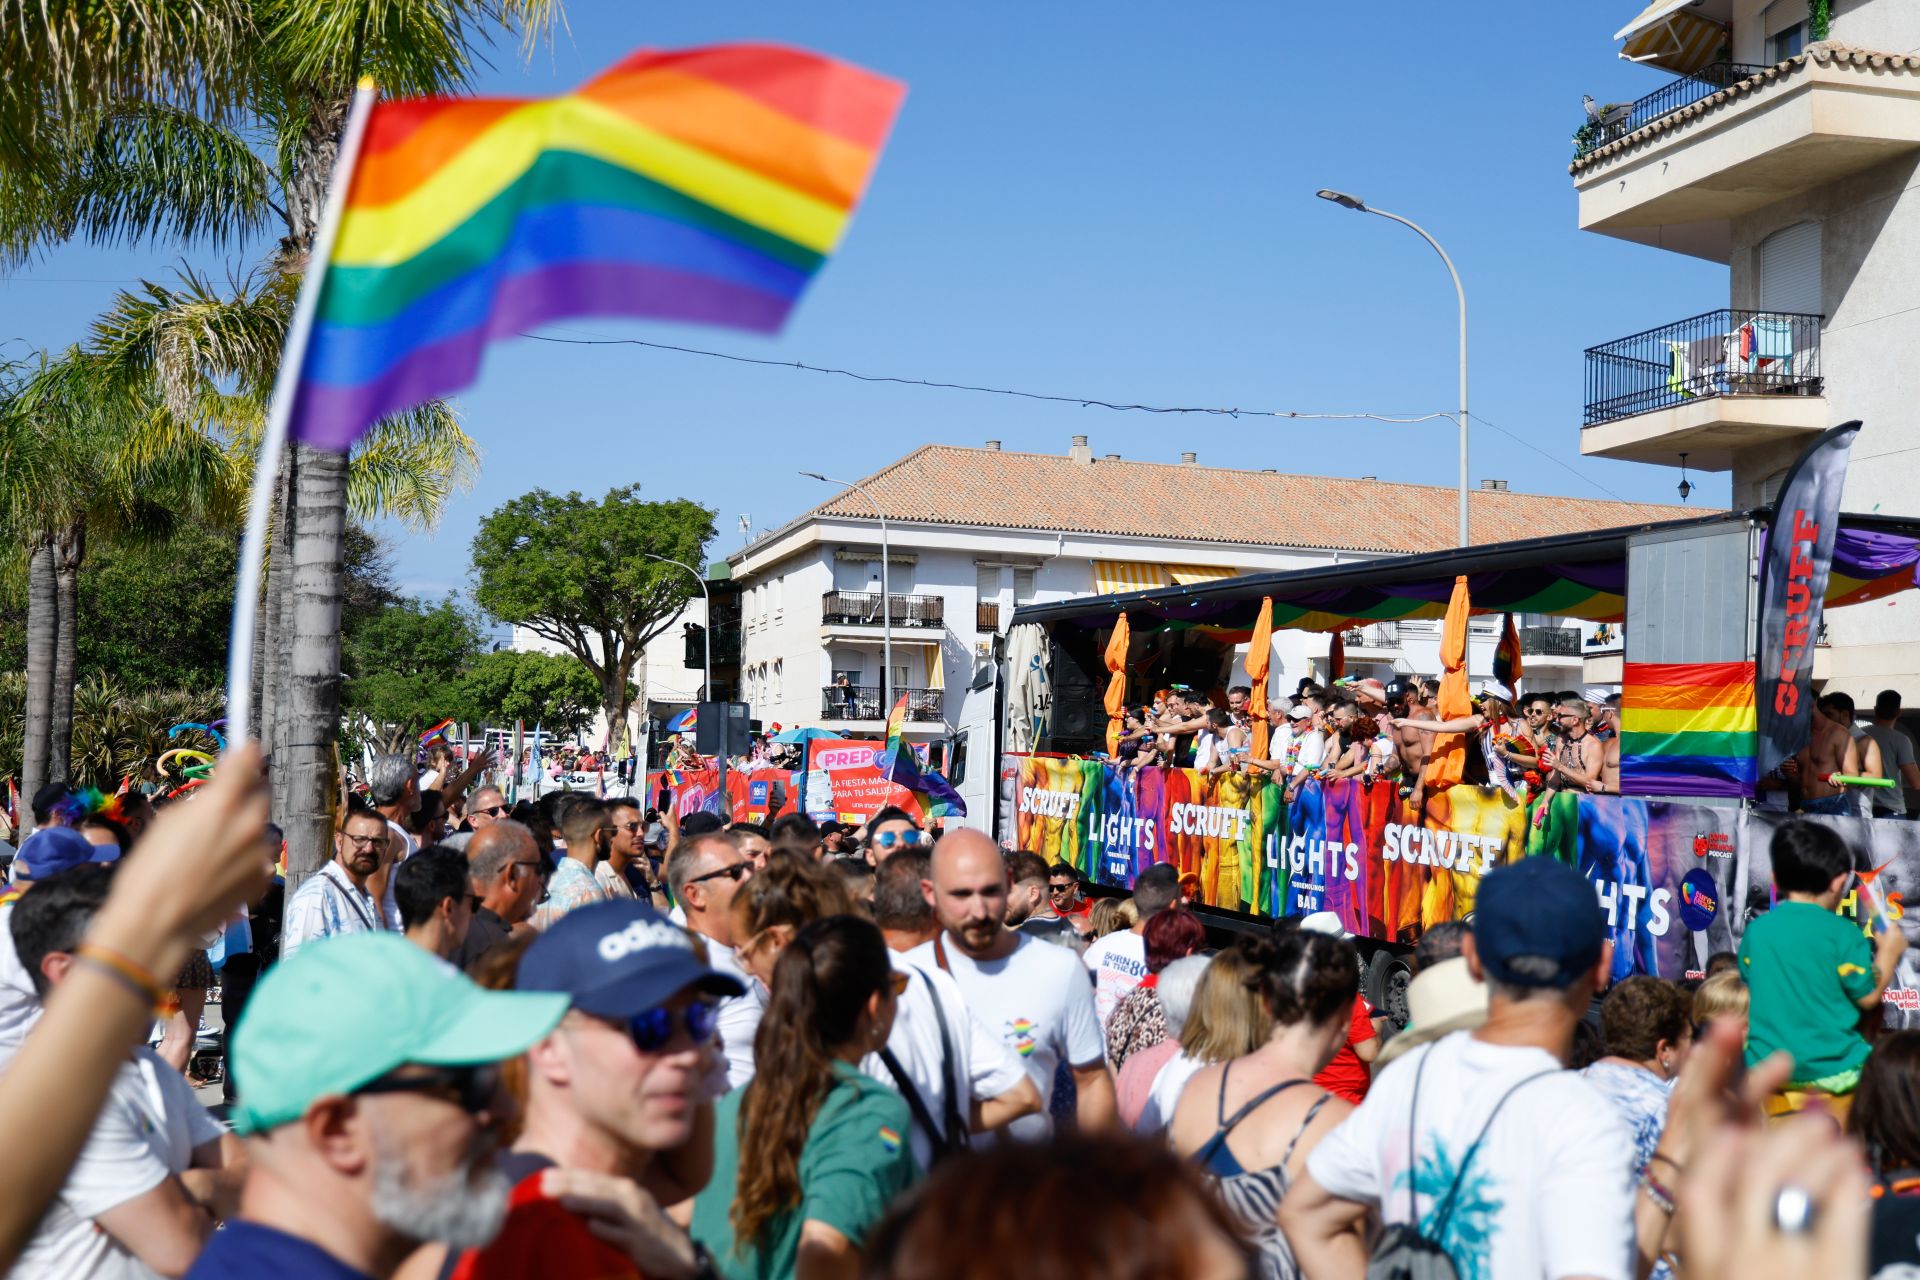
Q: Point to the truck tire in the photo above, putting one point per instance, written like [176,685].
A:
[1385,986]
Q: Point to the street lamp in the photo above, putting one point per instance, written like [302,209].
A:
[706,632]
[1358,205]
[886,596]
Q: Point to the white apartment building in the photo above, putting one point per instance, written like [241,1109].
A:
[1782,138]
[974,533]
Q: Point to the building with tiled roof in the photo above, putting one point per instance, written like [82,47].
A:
[975,532]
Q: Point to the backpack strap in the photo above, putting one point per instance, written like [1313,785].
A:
[915,1103]
[1446,1206]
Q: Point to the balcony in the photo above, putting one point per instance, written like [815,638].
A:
[726,646]
[986,618]
[1706,386]
[1659,104]
[1695,155]
[1376,639]
[862,609]
[864,702]
[1549,642]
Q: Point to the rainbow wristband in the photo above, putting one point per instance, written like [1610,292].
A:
[125,971]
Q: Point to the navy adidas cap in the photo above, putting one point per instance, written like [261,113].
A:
[1537,923]
[618,959]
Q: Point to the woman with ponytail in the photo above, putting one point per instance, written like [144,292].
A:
[808,1155]
[1250,1123]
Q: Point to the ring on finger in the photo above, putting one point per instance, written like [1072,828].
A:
[1793,1210]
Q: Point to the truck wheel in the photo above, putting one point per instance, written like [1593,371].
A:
[1385,987]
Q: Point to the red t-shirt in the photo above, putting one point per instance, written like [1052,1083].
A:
[540,1237]
[1346,1076]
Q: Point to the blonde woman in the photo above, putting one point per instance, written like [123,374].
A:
[1227,1021]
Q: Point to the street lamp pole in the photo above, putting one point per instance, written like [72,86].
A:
[886,593]
[706,632]
[1355,203]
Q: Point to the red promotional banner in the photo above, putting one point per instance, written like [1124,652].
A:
[844,785]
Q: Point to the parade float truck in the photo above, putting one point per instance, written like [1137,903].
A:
[1717,613]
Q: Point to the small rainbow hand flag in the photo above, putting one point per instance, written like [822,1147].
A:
[705,186]
[438,731]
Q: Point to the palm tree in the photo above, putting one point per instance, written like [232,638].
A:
[170,148]
[92,463]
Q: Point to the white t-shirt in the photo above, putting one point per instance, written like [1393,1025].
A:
[739,1016]
[1209,749]
[146,1131]
[982,1066]
[19,1005]
[1164,1095]
[1313,752]
[389,905]
[1038,1001]
[1550,1193]
[1118,962]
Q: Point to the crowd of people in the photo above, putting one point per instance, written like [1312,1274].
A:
[1541,740]
[574,1037]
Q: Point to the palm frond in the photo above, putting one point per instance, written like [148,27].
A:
[61,58]
[408,465]
[193,338]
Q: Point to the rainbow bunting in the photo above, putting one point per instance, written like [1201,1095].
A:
[1508,666]
[1687,729]
[704,186]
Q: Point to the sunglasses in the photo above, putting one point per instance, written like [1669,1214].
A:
[653,1030]
[470,1088]
[908,839]
[1057,889]
[626,826]
[492,810]
[735,872]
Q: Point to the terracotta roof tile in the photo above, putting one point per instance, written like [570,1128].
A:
[1826,53]
[947,484]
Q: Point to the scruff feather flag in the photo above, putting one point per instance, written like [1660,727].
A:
[704,186]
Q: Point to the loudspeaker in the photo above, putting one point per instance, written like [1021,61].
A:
[721,728]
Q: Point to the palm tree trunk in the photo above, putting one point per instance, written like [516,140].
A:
[69,548]
[43,622]
[275,631]
[313,687]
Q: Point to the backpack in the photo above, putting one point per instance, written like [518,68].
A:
[1403,1251]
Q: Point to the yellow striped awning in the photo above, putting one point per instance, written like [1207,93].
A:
[1113,576]
[1189,575]
[1665,35]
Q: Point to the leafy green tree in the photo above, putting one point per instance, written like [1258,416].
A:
[551,690]
[576,572]
[404,667]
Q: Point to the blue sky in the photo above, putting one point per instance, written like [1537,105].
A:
[1111,201]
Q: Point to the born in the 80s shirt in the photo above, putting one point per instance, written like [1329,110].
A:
[1118,962]
[1038,1000]
[1548,1195]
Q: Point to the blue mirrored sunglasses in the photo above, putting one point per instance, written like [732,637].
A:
[652,1030]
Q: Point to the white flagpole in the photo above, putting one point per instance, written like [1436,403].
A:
[286,386]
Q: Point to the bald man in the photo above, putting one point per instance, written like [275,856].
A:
[1036,997]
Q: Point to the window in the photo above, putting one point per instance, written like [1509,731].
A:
[1023,586]
[1788,265]
[1782,45]
[900,681]
[779,595]
[779,677]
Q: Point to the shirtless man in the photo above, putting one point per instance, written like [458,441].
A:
[1577,762]
[1829,750]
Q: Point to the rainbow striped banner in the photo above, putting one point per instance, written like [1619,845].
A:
[1687,729]
[706,186]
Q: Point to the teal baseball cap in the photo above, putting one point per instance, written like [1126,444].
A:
[342,1012]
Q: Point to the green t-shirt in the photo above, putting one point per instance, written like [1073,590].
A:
[1807,969]
[857,1159]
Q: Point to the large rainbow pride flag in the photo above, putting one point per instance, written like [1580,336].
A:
[1687,729]
[705,186]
